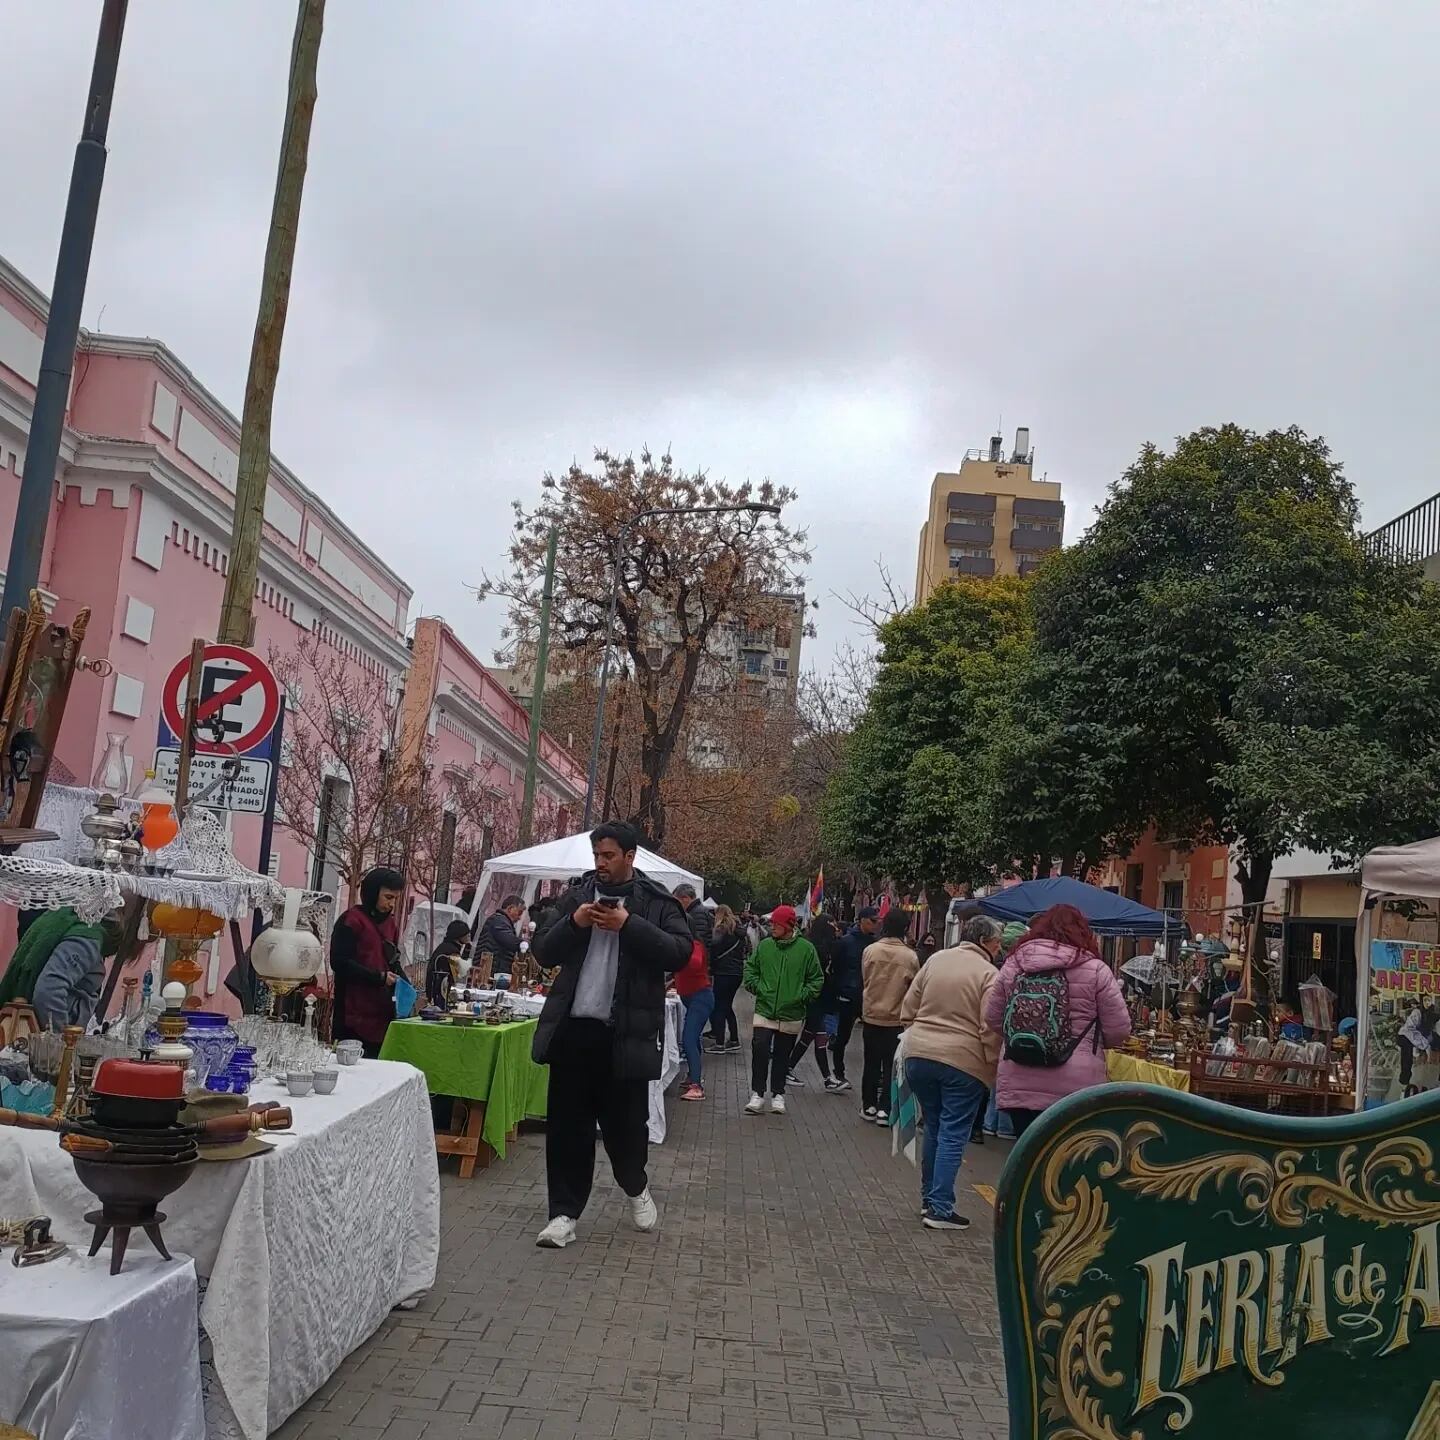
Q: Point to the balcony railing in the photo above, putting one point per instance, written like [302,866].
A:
[1034,541]
[972,565]
[1413,536]
[964,532]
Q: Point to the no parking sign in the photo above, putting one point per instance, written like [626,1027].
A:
[239,702]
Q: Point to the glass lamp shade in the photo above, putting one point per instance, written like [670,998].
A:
[184,922]
[285,959]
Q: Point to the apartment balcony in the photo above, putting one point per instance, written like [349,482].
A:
[1024,508]
[1411,538]
[961,532]
[983,566]
[1028,541]
[962,502]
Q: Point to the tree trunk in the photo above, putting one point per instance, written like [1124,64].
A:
[1253,874]
[253,468]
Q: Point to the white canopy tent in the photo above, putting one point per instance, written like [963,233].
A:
[561,859]
[1407,871]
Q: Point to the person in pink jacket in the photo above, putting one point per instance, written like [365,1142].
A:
[1060,939]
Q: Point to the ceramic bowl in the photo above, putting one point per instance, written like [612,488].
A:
[325,1080]
[299,1082]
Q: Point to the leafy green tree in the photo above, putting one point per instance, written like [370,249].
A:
[1229,651]
[909,798]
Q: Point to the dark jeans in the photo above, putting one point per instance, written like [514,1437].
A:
[881,1042]
[726,988]
[849,1012]
[585,1090]
[770,1051]
[951,1100]
[1022,1120]
[698,1009]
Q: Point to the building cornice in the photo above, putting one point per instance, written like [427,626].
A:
[145,466]
[466,708]
[173,368]
[24,289]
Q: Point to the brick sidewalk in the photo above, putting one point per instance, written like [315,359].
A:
[790,1291]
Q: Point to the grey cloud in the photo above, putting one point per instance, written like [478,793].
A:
[833,243]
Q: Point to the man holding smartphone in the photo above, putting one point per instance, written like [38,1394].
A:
[615,938]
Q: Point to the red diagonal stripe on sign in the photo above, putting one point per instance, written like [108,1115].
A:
[221,698]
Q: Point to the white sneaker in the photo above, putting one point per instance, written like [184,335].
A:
[777,1104]
[756,1105]
[868,1112]
[644,1213]
[559,1233]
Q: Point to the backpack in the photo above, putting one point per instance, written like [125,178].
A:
[1037,1020]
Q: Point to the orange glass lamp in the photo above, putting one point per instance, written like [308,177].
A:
[190,927]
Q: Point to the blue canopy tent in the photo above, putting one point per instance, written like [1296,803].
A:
[1107,912]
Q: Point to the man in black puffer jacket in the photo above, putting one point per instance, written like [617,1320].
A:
[615,937]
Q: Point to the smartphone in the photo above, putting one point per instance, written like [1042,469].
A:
[607,902]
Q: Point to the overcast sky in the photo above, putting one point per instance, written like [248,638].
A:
[829,242]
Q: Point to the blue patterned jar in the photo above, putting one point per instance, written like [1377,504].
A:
[213,1039]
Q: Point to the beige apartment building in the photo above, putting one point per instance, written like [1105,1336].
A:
[991,518]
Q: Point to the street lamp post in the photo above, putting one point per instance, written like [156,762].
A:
[753,507]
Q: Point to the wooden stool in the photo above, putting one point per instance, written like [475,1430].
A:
[463,1137]
[17,1019]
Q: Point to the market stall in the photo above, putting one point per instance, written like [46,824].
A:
[485,1067]
[88,1353]
[1107,912]
[562,860]
[1398,980]
[301,1252]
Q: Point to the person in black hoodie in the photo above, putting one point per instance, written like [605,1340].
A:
[822,1019]
[729,950]
[615,937]
[849,982]
[440,973]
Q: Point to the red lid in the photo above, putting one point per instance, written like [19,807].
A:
[139,1080]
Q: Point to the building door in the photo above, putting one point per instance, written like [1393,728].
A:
[1325,948]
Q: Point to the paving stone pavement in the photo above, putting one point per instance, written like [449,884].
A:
[790,1291]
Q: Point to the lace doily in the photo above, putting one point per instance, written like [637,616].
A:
[45,879]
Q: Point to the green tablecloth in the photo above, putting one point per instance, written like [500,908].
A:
[477,1062]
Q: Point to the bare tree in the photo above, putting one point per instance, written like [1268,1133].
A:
[680,579]
[343,727]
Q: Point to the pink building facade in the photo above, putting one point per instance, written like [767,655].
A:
[139,531]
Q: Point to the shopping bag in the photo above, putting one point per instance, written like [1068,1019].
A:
[404,998]
[904,1111]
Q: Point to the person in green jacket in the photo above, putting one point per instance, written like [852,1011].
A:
[785,978]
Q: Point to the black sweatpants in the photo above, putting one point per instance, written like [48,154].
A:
[849,1012]
[726,987]
[770,1052]
[584,1090]
[881,1042]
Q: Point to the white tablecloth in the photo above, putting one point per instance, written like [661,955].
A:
[305,1250]
[670,1066]
[85,1355]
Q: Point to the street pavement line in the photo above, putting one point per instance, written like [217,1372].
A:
[987,1193]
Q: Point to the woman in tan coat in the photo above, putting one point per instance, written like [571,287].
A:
[950,1059]
[887,968]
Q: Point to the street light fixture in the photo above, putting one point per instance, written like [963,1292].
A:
[752,507]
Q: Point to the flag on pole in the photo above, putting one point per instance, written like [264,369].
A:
[817,893]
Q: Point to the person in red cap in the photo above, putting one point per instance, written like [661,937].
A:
[785,977]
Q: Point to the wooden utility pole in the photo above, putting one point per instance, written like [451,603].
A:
[537,697]
[237,622]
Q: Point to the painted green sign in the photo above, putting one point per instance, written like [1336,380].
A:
[1172,1267]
